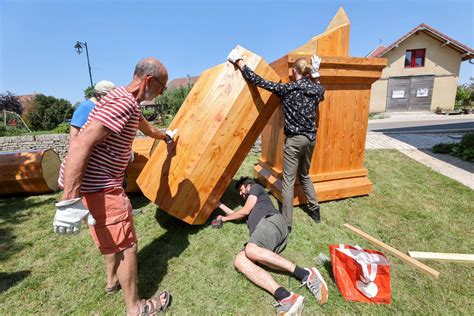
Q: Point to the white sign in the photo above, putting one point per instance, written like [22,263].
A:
[422,92]
[398,94]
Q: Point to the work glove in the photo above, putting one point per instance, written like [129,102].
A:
[234,56]
[69,215]
[170,135]
[315,63]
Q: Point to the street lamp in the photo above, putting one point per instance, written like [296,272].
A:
[78,47]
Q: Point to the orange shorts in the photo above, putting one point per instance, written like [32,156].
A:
[112,210]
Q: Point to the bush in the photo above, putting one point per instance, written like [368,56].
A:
[467,140]
[463,150]
[10,131]
[443,148]
[62,128]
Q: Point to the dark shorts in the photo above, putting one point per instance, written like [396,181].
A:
[271,233]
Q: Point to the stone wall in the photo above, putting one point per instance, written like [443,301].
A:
[57,142]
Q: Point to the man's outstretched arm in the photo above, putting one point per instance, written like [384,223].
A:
[225,208]
[243,212]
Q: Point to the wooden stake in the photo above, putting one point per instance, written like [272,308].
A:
[451,257]
[400,255]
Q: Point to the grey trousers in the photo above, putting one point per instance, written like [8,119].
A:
[296,161]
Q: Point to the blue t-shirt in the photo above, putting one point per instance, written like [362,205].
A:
[81,113]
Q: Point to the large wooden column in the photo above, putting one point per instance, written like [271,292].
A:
[218,123]
[33,172]
[337,169]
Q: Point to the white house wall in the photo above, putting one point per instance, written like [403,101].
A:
[442,62]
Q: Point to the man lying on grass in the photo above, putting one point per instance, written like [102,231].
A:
[268,237]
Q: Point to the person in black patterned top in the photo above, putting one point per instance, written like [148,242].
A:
[300,100]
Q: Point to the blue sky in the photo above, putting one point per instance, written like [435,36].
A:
[37,37]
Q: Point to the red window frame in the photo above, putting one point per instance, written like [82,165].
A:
[410,60]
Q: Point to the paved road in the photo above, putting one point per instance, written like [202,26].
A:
[421,126]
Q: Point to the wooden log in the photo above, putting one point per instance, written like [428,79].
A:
[142,148]
[448,257]
[400,255]
[33,172]
[218,123]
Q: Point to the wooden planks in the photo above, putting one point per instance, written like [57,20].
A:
[342,125]
[448,257]
[400,255]
[33,172]
[218,123]
[142,148]
[334,41]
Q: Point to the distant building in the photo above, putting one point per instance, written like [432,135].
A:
[422,72]
[182,82]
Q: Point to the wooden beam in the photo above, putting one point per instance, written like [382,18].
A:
[451,257]
[400,255]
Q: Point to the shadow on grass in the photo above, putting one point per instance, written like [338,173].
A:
[14,211]
[153,259]
[12,206]
[138,200]
[328,267]
[231,196]
[452,160]
[8,280]
[8,245]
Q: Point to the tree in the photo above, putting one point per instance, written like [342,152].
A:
[49,113]
[9,102]
[171,100]
[89,92]
[463,94]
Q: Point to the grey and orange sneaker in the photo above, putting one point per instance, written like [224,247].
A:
[290,306]
[316,284]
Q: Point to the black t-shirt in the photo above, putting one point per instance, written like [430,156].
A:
[300,100]
[262,208]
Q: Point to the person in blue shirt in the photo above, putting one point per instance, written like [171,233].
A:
[79,118]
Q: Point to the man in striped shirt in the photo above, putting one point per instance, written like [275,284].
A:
[94,170]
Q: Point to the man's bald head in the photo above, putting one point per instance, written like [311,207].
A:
[152,67]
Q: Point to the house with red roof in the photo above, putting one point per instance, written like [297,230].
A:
[182,82]
[422,72]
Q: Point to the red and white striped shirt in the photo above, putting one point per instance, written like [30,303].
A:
[120,113]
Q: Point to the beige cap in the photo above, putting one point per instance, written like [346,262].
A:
[103,87]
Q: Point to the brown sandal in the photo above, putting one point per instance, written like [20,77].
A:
[114,288]
[148,308]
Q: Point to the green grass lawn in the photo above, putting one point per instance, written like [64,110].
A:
[411,208]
